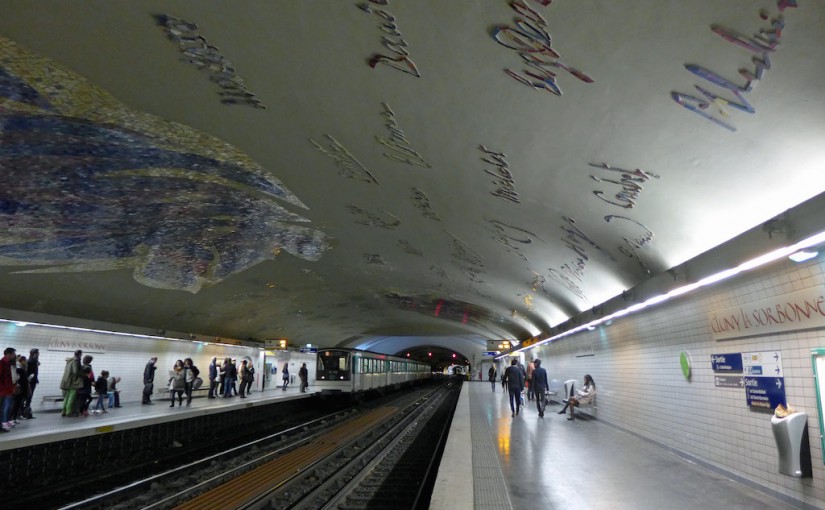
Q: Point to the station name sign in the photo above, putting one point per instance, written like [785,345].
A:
[802,309]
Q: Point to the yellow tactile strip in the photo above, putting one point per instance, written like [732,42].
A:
[248,486]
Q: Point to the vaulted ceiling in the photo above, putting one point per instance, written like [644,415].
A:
[328,170]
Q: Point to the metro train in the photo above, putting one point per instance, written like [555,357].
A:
[456,370]
[353,371]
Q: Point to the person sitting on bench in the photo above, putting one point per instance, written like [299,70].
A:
[583,396]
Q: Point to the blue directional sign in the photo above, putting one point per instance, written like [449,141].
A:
[309,349]
[731,362]
[765,392]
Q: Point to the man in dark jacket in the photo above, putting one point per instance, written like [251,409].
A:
[149,380]
[515,384]
[213,376]
[539,385]
[303,375]
[31,375]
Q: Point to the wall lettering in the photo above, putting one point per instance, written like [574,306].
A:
[409,248]
[208,58]
[397,142]
[762,43]
[373,220]
[348,165]
[422,202]
[531,39]
[503,178]
[392,40]
[629,183]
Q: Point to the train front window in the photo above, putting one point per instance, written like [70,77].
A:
[333,366]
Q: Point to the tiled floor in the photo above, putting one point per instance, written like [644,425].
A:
[528,462]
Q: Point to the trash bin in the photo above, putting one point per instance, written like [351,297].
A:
[791,435]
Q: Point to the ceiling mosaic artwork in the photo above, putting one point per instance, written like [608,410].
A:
[339,172]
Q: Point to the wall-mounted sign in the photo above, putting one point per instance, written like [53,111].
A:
[728,381]
[803,309]
[764,380]
[74,345]
[728,363]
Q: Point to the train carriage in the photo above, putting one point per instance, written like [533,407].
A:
[354,371]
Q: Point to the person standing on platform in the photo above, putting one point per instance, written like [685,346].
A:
[230,375]
[114,393]
[538,385]
[102,390]
[31,376]
[190,373]
[149,380]
[177,383]
[84,393]
[7,363]
[213,376]
[71,381]
[251,370]
[285,375]
[491,375]
[303,375]
[21,390]
[514,377]
[244,378]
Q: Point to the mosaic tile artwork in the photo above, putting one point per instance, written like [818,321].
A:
[90,185]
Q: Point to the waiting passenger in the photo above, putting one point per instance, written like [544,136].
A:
[251,371]
[177,383]
[102,390]
[583,396]
[21,389]
[539,385]
[303,375]
[114,392]
[491,375]
[149,380]
[285,375]
[190,373]
[72,381]
[514,377]
[7,387]
[84,393]
[244,377]
[213,377]
[31,376]
[230,375]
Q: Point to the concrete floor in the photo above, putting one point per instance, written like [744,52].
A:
[551,463]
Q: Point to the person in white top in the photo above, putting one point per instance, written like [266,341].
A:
[583,396]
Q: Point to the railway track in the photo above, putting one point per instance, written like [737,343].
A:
[322,459]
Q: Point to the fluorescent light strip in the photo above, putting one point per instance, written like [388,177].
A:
[117,333]
[708,280]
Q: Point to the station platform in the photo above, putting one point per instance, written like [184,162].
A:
[49,426]
[551,463]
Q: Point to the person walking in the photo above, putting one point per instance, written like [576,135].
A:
[285,375]
[244,378]
[190,373]
[114,393]
[303,375]
[149,380]
[514,377]
[70,383]
[538,385]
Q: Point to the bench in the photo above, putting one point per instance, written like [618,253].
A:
[552,392]
[200,392]
[52,398]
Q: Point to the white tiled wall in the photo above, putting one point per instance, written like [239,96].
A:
[126,357]
[641,386]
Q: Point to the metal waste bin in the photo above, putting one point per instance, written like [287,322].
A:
[791,435]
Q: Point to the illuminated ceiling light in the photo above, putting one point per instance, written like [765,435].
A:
[795,252]
[21,324]
[803,255]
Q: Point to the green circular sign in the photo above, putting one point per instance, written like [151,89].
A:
[684,360]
